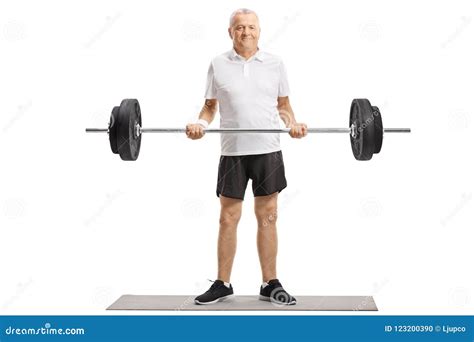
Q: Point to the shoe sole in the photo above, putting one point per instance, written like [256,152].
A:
[221,299]
[268,299]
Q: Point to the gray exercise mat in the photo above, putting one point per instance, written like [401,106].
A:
[246,303]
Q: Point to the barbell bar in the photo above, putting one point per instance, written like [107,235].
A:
[365,129]
[248,130]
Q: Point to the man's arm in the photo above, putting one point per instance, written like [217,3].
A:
[208,112]
[298,130]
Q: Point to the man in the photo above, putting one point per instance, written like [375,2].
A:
[252,90]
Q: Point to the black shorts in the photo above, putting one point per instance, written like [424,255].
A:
[266,171]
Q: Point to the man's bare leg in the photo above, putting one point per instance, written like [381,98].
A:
[231,210]
[267,239]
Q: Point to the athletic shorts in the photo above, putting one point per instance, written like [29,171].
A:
[266,171]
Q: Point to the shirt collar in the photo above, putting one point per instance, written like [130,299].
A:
[236,57]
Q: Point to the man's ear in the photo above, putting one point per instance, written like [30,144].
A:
[230,34]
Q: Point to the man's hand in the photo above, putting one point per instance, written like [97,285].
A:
[195,131]
[298,130]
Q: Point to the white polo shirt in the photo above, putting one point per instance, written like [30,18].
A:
[247,92]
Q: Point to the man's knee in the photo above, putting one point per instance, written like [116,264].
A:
[230,217]
[266,215]
[231,210]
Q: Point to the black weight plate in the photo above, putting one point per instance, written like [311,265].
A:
[128,142]
[378,129]
[113,130]
[361,116]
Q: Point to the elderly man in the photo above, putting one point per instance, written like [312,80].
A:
[252,90]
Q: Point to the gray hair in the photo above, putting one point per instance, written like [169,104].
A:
[240,11]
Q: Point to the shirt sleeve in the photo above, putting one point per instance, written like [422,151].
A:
[284,87]
[211,92]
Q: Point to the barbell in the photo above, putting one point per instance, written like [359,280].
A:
[365,129]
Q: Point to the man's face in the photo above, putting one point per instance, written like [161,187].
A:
[245,31]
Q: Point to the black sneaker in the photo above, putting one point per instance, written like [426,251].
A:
[275,293]
[217,292]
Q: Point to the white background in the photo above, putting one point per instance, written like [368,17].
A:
[80,227]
